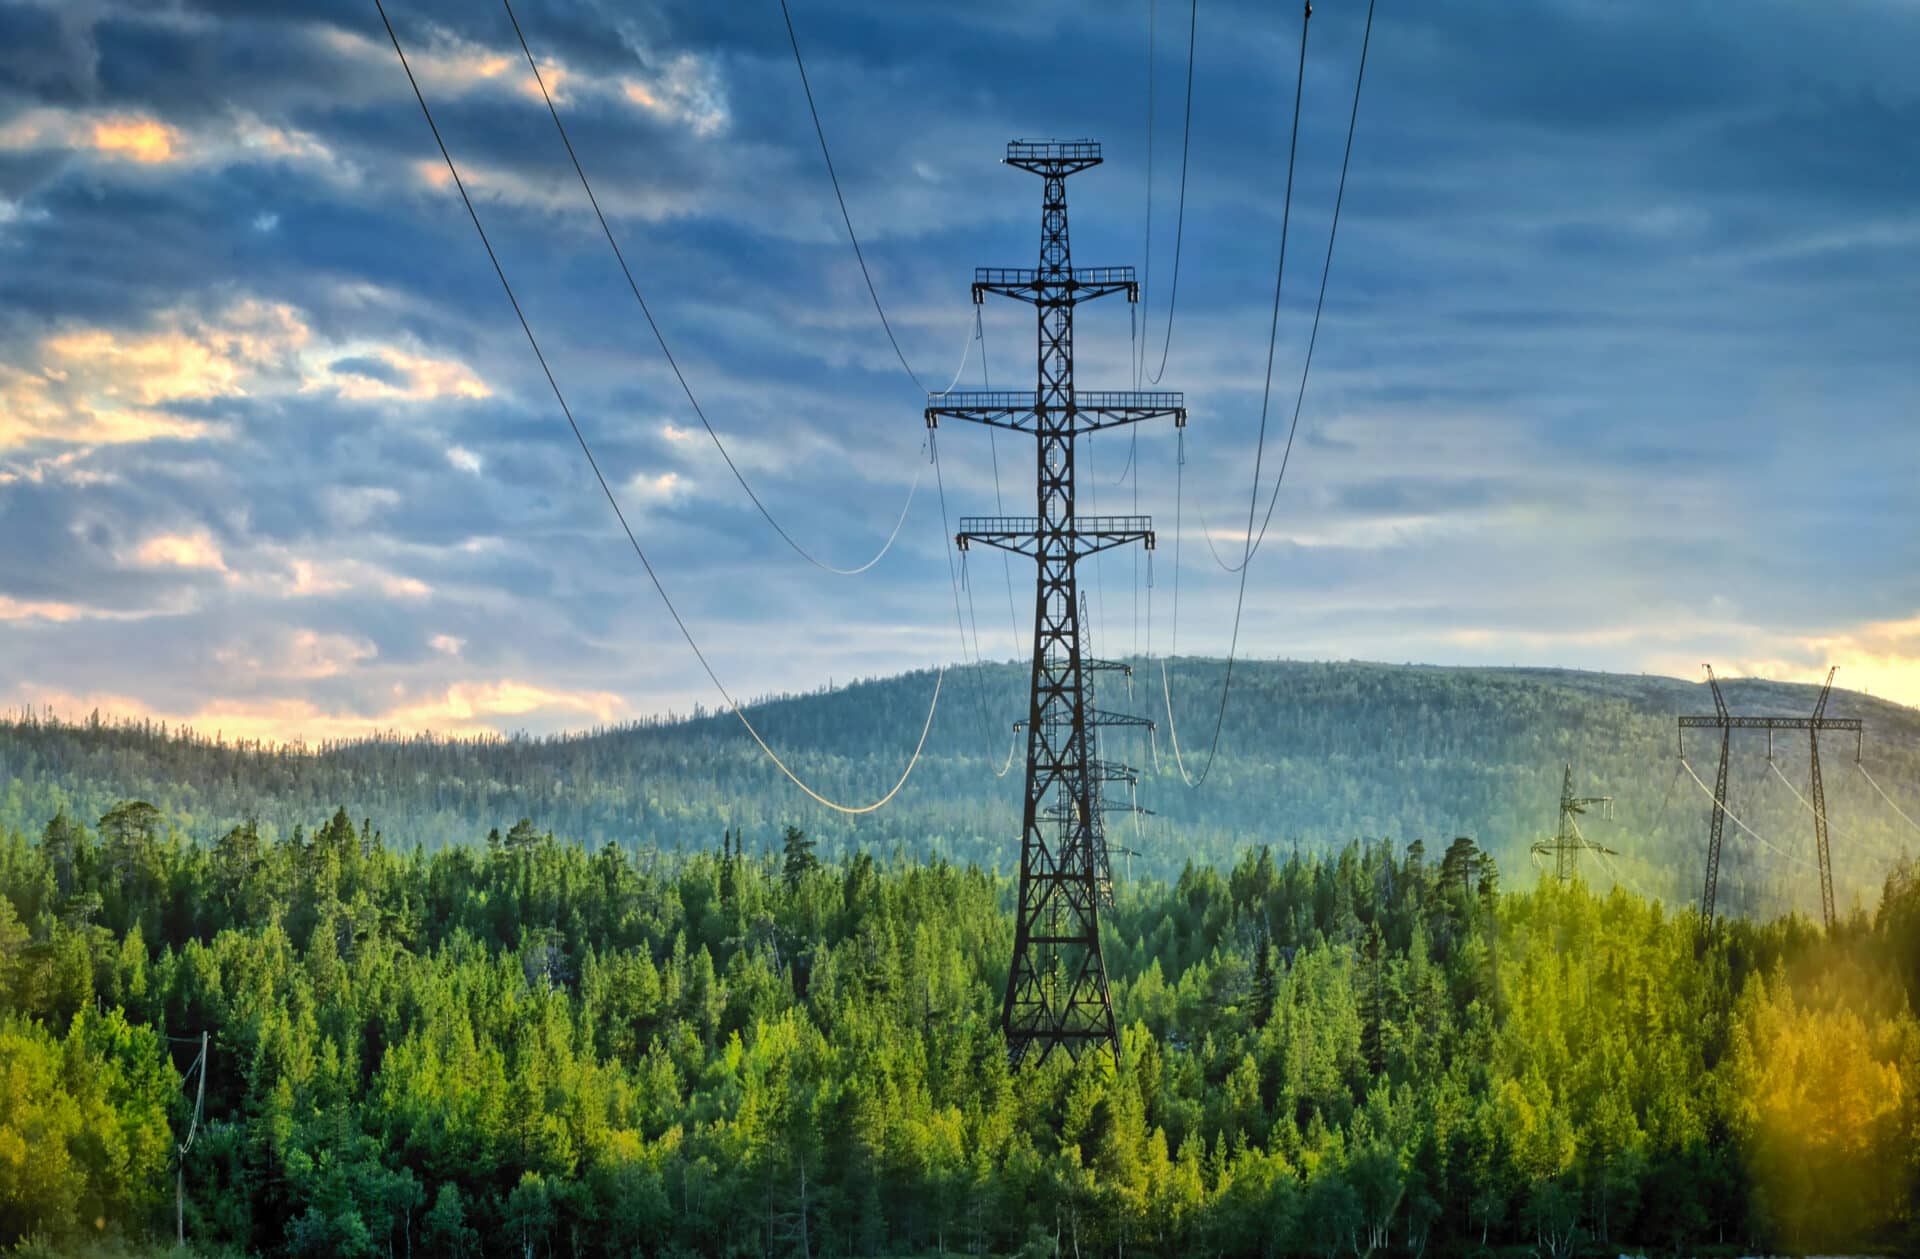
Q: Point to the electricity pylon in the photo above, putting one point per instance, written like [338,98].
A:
[1726,724]
[1567,841]
[1057,986]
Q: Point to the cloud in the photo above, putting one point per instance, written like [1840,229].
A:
[281,573]
[140,140]
[105,385]
[301,655]
[108,140]
[177,550]
[388,373]
[465,460]
[41,610]
[661,487]
[684,89]
[1880,657]
[463,708]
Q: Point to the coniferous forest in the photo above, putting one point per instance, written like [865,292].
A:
[1311,754]
[525,1047]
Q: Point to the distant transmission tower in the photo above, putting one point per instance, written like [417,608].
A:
[1726,724]
[1567,841]
[1057,988]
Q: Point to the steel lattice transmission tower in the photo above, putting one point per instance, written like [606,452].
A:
[1057,987]
[1567,841]
[1726,724]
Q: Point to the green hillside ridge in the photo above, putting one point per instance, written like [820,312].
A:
[1312,755]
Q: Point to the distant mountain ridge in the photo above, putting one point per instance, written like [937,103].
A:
[1311,754]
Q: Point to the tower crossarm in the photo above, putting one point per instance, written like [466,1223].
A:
[1551,847]
[1088,411]
[1065,813]
[1092,665]
[1101,409]
[1098,717]
[1082,535]
[1771,723]
[1048,286]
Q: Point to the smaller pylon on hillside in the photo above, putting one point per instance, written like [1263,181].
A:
[1567,842]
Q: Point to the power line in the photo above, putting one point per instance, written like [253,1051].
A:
[1253,500]
[660,337]
[1180,216]
[1889,799]
[607,490]
[1620,876]
[1799,860]
[853,236]
[954,565]
[1804,802]
[999,502]
[1139,362]
[1319,304]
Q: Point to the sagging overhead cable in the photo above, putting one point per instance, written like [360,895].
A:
[1764,841]
[1313,338]
[592,462]
[1180,215]
[821,132]
[1273,332]
[1889,799]
[955,568]
[1251,542]
[1804,802]
[685,387]
[1137,347]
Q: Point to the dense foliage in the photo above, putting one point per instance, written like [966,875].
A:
[529,1048]
[1311,754]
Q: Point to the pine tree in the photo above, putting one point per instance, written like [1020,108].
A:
[799,858]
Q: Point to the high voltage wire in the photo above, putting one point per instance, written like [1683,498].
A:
[999,504]
[1280,271]
[660,337]
[1180,216]
[1889,799]
[1252,542]
[955,573]
[1799,860]
[1804,802]
[978,333]
[607,490]
[1320,302]
[1146,263]
[1620,876]
[821,133]
[960,619]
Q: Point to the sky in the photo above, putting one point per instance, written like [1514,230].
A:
[1619,366]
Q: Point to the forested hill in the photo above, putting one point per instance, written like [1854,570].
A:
[1311,754]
